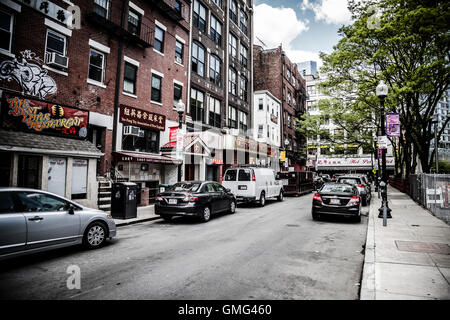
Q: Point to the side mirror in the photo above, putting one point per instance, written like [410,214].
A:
[228,190]
[71,211]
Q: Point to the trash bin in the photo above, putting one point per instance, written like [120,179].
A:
[123,200]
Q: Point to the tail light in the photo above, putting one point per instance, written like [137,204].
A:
[361,186]
[317,197]
[190,199]
[253,177]
[158,198]
[354,199]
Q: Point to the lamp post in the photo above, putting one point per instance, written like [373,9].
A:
[436,142]
[384,211]
[179,147]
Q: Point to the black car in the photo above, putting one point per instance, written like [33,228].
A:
[337,199]
[360,184]
[196,199]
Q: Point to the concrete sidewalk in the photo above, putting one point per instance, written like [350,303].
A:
[143,214]
[410,257]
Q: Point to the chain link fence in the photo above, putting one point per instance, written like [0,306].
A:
[432,191]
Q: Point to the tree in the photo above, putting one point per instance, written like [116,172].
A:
[409,49]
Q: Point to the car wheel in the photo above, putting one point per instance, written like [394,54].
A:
[358,218]
[166,218]
[233,207]
[206,214]
[280,197]
[315,216]
[95,235]
[364,202]
[262,199]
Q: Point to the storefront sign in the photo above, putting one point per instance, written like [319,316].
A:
[282,156]
[50,9]
[393,125]
[142,118]
[348,162]
[241,144]
[44,117]
[252,146]
[262,149]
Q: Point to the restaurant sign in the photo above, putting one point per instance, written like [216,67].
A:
[142,118]
[40,116]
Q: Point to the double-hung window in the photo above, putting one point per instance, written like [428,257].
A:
[6,30]
[159,39]
[134,22]
[56,43]
[199,16]
[177,93]
[242,121]
[214,112]
[179,51]
[232,48]
[243,88]
[101,7]
[215,69]
[261,104]
[156,88]
[129,78]
[198,59]
[215,30]
[197,105]
[244,55]
[243,22]
[96,66]
[233,11]
[232,81]
[232,117]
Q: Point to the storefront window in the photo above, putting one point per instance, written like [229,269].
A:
[79,178]
[57,176]
[146,141]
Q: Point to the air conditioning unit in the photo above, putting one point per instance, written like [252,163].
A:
[131,131]
[179,60]
[57,60]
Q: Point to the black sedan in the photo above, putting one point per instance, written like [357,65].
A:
[337,199]
[195,198]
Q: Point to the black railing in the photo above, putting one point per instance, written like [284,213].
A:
[173,9]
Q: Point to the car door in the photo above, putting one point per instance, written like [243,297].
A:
[48,219]
[213,196]
[223,197]
[13,226]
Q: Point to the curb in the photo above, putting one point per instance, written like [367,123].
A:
[126,223]
[368,285]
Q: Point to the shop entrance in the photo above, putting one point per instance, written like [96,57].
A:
[5,168]
[28,171]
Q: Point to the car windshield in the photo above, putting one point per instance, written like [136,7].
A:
[337,188]
[350,180]
[185,186]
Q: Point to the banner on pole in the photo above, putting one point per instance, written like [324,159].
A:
[393,125]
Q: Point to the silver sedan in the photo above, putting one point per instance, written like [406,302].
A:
[35,220]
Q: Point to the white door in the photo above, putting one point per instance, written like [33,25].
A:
[57,176]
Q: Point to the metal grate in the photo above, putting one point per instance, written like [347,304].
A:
[425,247]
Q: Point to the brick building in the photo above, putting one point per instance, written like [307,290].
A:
[273,71]
[122,64]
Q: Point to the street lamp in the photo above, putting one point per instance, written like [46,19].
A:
[436,142]
[384,211]
[180,109]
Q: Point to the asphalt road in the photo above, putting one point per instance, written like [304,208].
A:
[275,252]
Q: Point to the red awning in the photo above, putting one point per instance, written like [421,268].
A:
[145,157]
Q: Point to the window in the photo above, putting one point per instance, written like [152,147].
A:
[289,97]
[56,43]
[79,178]
[216,30]
[293,81]
[179,52]
[156,88]
[289,120]
[243,22]
[6,203]
[96,66]
[260,131]
[233,11]
[245,174]
[199,16]
[230,175]
[198,59]
[288,74]
[243,88]
[311,89]
[197,105]
[218,3]
[134,22]
[147,141]
[214,112]
[177,93]
[232,81]
[101,8]
[261,104]
[41,202]
[178,6]
[243,121]
[6,30]
[129,78]
[268,131]
[232,48]
[244,55]
[159,39]
[232,117]
[215,70]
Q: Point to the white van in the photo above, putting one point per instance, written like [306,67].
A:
[253,184]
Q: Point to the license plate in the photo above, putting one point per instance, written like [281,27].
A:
[335,201]
[242,187]
[172,201]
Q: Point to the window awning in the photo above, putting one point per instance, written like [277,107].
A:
[145,157]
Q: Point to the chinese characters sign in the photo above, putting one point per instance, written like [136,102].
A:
[44,117]
[393,125]
[364,162]
[49,9]
[141,118]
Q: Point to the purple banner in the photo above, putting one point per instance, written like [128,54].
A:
[393,125]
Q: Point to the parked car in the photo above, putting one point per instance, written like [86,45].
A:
[357,181]
[196,199]
[318,182]
[366,182]
[326,177]
[35,220]
[253,184]
[337,199]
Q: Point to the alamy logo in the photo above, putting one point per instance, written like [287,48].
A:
[74,280]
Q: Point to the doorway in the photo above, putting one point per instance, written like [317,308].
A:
[28,171]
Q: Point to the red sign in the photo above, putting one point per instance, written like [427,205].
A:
[45,117]
[216,161]
[173,136]
[142,118]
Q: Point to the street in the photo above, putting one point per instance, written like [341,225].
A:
[274,252]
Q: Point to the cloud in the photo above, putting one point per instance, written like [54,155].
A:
[329,11]
[276,25]
[297,56]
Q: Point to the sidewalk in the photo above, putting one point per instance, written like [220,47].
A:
[143,214]
[410,257]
